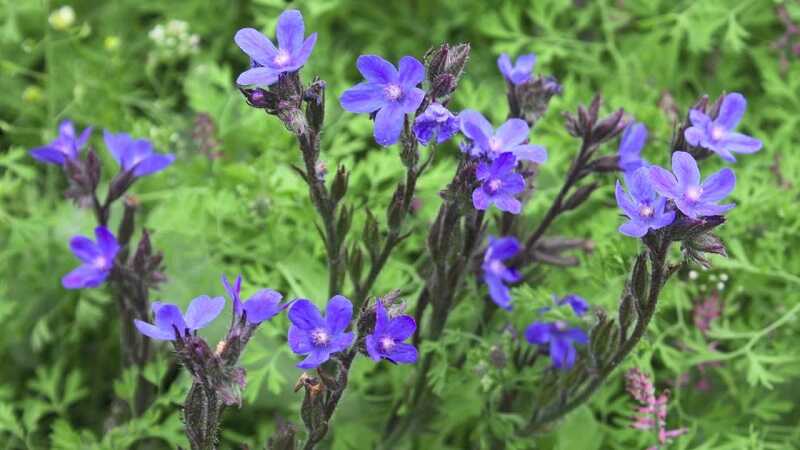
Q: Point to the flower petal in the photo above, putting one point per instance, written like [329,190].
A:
[664,182]
[624,201]
[639,184]
[402,354]
[117,144]
[152,331]
[84,276]
[718,186]
[48,155]
[476,127]
[84,248]
[577,335]
[503,248]
[740,143]
[685,169]
[314,359]
[633,139]
[388,124]
[411,72]
[699,119]
[372,348]
[299,340]
[504,163]
[381,318]
[255,45]
[233,292]
[529,152]
[290,30]
[512,132]
[538,333]
[411,100]
[153,163]
[731,111]
[694,136]
[299,59]
[338,314]
[498,292]
[341,342]
[263,305]
[169,317]
[633,229]
[258,76]
[106,242]
[562,354]
[365,97]
[508,204]
[376,69]
[305,315]
[402,327]
[83,138]
[202,311]
[479,199]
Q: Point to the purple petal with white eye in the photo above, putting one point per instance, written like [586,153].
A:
[290,30]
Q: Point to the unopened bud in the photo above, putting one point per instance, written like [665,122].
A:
[339,186]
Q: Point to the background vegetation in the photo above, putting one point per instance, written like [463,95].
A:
[231,204]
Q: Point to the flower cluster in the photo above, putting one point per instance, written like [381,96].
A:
[558,336]
[652,415]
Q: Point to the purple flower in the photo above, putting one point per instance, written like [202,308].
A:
[511,137]
[559,338]
[65,147]
[391,92]
[137,155]
[630,147]
[495,272]
[578,304]
[261,306]
[269,62]
[643,206]
[311,334]
[520,72]
[693,198]
[97,257]
[170,323]
[499,185]
[718,135]
[386,341]
[437,121]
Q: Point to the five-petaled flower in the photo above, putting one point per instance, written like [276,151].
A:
[136,155]
[718,135]
[390,91]
[499,185]
[263,305]
[693,198]
[311,334]
[495,272]
[630,147]
[170,323]
[65,147]
[560,339]
[268,62]
[386,341]
[97,257]
[520,72]
[436,122]
[511,137]
[643,206]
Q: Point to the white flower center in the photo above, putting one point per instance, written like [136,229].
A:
[694,193]
[497,266]
[495,144]
[646,211]
[494,185]
[320,337]
[387,343]
[392,91]
[717,132]
[282,57]
[100,262]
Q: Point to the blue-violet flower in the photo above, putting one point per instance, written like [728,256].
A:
[495,272]
[499,185]
[643,206]
[390,92]
[137,155]
[170,323]
[630,147]
[693,198]
[269,62]
[65,147]
[718,135]
[436,122]
[311,334]
[97,257]
[261,306]
[386,341]
[520,72]
[560,339]
[511,137]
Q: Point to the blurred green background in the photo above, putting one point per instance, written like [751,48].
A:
[231,203]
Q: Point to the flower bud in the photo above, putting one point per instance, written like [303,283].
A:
[396,211]
[339,186]
[315,104]
[260,98]
[120,184]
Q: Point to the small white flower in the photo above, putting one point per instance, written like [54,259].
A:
[62,18]
[720,286]
[693,275]
[723,277]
